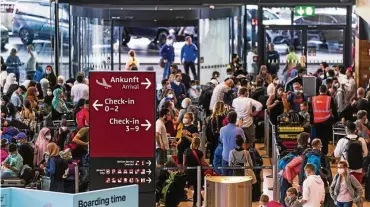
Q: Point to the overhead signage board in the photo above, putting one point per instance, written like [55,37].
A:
[122,130]
[304,11]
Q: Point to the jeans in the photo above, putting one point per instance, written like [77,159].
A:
[166,70]
[344,204]
[190,65]
[31,74]
[226,172]
[5,175]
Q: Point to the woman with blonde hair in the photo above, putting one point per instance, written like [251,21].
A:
[215,124]
[132,60]
[302,63]
[193,157]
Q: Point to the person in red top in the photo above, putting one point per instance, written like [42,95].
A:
[82,117]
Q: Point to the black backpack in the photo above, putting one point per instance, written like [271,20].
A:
[354,153]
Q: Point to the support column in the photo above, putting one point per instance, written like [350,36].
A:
[362,44]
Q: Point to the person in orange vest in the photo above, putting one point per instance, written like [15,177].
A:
[322,108]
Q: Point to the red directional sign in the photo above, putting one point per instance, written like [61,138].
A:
[122,129]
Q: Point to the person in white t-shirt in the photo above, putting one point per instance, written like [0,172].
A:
[80,90]
[244,108]
[161,138]
[313,188]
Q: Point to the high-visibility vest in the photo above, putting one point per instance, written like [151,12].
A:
[321,108]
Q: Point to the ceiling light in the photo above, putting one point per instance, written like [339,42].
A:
[171,9]
[121,8]
[189,8]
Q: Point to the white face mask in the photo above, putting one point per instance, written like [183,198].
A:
[341,171]
[194,87]
[185,121]
[276,82]
[170,95]
[37,93]
[49,93]
[14,79]
[169,42]
[168,86]
[336,85]
[48,72]
[48,137]
[184,104]
[176,82]
[322,76]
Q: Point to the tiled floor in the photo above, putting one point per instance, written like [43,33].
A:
[268,181]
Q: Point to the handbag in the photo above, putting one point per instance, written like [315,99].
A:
[208,172]
[249,171]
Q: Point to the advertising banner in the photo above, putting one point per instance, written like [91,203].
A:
[126,196]
[122,130]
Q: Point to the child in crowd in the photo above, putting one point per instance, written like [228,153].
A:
[291,199]
[239,157]
[264,200]
[12,165]
[306,116]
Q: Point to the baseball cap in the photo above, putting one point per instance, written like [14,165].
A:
[21,135]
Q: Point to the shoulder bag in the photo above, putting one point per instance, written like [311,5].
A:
[249,171]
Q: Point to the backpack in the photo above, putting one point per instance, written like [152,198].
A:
[314,159]
[173,189]
[355,158]
[238,163]
[283,162]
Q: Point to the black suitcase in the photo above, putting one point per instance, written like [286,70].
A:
[367,184]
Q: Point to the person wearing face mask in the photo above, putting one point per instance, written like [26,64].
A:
[235,63]
[352,149]
[50,75]
[179,89]
[187,106]
[189,131]
[276,103]
[16,98]
[267,79]
[41,144]
[193,92]
[323,107]
[168,95]
[161,138]
[349,86]
[345,190]
[330,74]
[58,102]
[338,96]
[25,149]
[165,85]
[168,56]
[291,199]
[296,97]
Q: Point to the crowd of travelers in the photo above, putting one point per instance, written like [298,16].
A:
[45,127]
[44,124]
[219,123]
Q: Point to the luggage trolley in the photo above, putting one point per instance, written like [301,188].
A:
[339,131]
[288,128]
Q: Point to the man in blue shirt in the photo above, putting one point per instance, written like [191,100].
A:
[227,138]
[189,54]
[179,89]
[168,56]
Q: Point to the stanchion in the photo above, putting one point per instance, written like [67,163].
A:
[199,186]
[77,178]
[267,135]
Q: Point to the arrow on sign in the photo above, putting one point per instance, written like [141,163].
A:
[149,163]
[149,171]
[147,83]
[149,180]
[300,11]
[147,125]
[96,105]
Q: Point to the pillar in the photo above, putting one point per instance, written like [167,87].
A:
[362,43]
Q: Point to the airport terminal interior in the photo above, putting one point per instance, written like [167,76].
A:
[197,102]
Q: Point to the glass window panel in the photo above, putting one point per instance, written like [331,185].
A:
[277,15]
[324,16]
